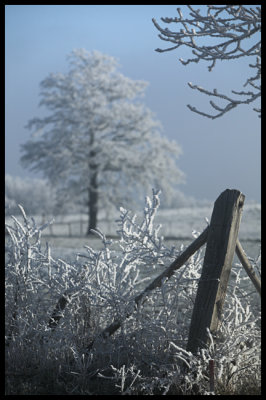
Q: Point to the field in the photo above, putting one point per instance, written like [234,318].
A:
[147,355]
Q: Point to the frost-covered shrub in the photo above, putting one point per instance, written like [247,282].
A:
[56,311]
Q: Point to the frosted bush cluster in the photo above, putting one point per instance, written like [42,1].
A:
[56,313]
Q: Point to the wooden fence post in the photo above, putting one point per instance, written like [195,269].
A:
[221,245]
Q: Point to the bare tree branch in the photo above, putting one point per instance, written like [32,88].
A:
[233,31]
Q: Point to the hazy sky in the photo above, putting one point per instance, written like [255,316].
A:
[217,154]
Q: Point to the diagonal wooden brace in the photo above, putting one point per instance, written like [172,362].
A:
[157,282]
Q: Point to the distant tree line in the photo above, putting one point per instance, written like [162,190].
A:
[37,196]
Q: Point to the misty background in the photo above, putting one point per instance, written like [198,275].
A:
[217,154]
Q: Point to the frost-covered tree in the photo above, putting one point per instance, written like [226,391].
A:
[98,143]
[226,32]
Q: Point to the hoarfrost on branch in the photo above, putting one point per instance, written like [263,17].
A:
[233,32]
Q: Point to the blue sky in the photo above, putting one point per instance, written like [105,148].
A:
[217,154]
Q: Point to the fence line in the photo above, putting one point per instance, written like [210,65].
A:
[222,241]
[78,228]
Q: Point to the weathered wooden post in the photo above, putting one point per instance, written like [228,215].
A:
[221,245]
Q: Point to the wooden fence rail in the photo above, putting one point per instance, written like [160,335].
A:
[80,231]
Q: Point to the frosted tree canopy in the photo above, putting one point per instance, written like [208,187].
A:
[99,144]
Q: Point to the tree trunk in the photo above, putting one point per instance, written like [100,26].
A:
[93,203]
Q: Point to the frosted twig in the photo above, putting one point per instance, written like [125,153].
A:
[229,28]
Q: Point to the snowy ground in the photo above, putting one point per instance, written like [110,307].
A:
[177,223]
